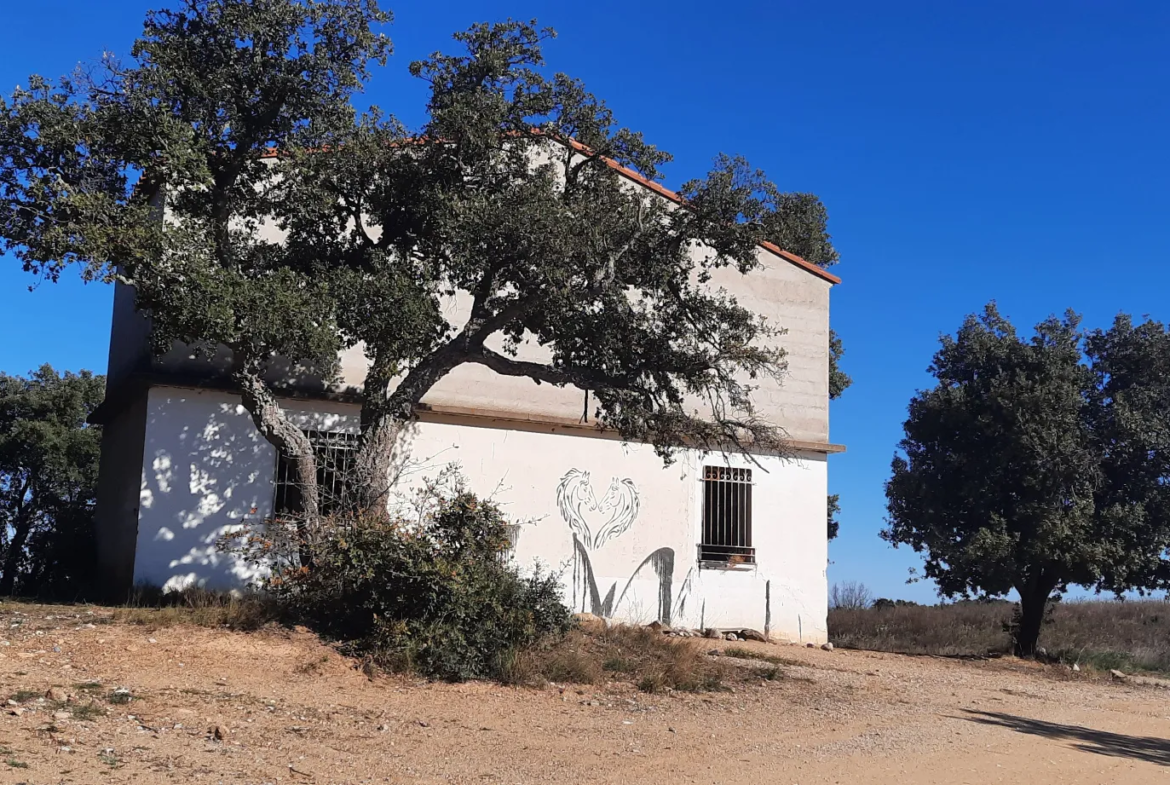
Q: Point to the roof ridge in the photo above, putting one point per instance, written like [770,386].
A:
[662,190]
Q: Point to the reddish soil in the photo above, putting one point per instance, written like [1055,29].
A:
[291,710]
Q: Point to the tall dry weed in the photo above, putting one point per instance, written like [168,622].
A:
[1128,635]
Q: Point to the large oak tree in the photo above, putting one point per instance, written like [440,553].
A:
[241,112]
[1039,463]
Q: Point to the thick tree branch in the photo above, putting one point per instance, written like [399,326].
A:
[538,372]
[272,422]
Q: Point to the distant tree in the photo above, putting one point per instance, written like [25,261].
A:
[850,595]
[884,602]
[48,477]
[505,195]
[1036,464]
[839,381]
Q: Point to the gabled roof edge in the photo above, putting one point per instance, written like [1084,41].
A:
[661,190]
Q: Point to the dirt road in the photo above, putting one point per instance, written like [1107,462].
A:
[288,709]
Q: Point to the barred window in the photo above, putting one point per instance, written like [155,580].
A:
[335,453]
[512,530]
[727,516]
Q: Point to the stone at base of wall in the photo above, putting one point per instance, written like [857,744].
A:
[588,622]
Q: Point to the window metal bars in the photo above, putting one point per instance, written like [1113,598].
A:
[727,516]
[335,454]
[512,530]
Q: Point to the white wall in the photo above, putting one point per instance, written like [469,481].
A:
[790,297]
[205,468]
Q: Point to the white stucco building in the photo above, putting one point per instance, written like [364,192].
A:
[711,540]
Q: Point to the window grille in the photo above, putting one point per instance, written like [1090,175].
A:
[335,454]
[512,530]
[727,516]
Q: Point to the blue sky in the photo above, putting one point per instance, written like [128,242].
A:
[966,152]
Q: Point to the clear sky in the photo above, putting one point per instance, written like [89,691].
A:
[966,152]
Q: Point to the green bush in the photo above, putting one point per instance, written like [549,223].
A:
[435,596]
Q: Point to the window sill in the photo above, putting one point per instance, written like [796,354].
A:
[728,566]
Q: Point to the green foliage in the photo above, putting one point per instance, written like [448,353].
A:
[839,381]
[48,477]
[1037,464]
[435,596]
[211,87]
[382,224]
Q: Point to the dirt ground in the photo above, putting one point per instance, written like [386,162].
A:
[291,710]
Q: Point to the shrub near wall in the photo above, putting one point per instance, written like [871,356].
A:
[432,596]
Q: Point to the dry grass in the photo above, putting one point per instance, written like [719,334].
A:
[630,654]
[198,607]
[85,712]
[1129,635]
[751,654]
[636,655]
[961,629]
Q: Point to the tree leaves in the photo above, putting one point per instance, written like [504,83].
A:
[48,478]
[273,220]
[1039,462]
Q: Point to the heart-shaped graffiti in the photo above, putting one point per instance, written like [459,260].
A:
[578,505]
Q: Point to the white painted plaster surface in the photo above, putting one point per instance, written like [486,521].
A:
[205,468]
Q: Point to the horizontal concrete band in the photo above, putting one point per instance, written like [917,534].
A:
[139,383]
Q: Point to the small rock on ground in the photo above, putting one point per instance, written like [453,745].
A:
[590,623]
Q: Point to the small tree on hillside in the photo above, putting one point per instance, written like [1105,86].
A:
[1036,464]
[505,196]
[48,477]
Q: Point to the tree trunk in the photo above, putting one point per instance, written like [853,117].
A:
[373,465]
[1033,602]
[20,530]
[383,417]
[286,437]
[12,558]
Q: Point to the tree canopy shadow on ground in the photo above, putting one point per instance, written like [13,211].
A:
[1117,745]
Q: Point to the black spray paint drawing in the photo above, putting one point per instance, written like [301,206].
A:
[578,505]
[613,515]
